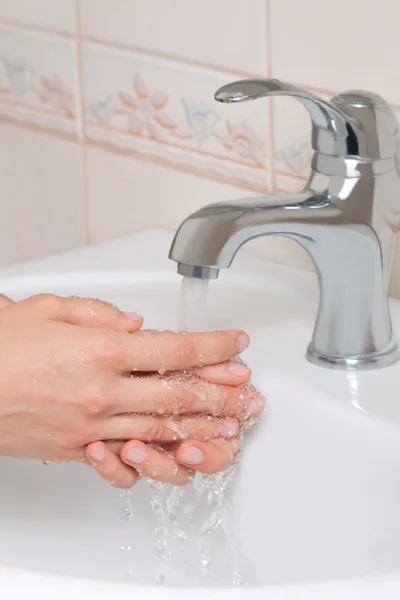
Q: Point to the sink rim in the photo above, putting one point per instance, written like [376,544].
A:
[17,579]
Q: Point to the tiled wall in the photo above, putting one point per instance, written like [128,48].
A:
[108,122]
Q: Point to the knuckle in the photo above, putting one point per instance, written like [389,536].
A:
[48,303]
[94,399]
[155,431]
[185,351]
[104,350]
[186,400]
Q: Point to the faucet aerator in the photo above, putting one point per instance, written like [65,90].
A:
[196,272]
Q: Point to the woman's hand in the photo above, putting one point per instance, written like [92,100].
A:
[122,464]
[65,382]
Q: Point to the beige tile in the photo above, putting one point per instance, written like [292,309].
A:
[41,195]
[38,79]
[164,109]
[126,195]
[337,45]
[49,14]
[226,33]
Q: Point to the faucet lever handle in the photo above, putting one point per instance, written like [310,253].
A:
[332,131]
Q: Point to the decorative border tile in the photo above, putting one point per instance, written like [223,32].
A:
[37,79]
[167,111]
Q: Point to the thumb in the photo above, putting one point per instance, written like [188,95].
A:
[84,312]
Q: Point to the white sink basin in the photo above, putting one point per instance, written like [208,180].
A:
[316,502]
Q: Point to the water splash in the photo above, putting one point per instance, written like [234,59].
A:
[195,537]
[127,509]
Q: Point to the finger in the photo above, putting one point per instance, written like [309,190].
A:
[110,467]
[181,395]
[157,429]
[5,301]
[208,457]
[86,312]
[168,351]
[229,373]
[158,465]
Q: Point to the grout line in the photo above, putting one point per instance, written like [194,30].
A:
[187,62]
[271,133]
[15,23]
[85,214]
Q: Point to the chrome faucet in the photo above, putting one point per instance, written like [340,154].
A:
[342,218]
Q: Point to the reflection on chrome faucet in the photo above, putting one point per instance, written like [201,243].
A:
[353,386]
[342,219]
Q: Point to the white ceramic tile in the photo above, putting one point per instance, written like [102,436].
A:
[41,195]
[50,14]
[337,45]
[37,78]
[126,194]
[226,33]
[158,108]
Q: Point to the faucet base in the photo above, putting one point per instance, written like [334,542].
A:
[376,360]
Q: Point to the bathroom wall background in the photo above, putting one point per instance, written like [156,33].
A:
[108,123]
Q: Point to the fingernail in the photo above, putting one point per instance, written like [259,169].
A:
[133,316]
[228,429]
[242,342]
[192,456]
[237,368]
[137,455]
[236,445]
[97,453]
[254,407]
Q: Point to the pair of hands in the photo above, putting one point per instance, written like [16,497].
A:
[78,378]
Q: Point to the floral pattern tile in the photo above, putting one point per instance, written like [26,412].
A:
[164,109]
[37,79]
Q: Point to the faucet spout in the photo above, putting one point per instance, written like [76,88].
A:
[352,328]
[210,237]
[345,219]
